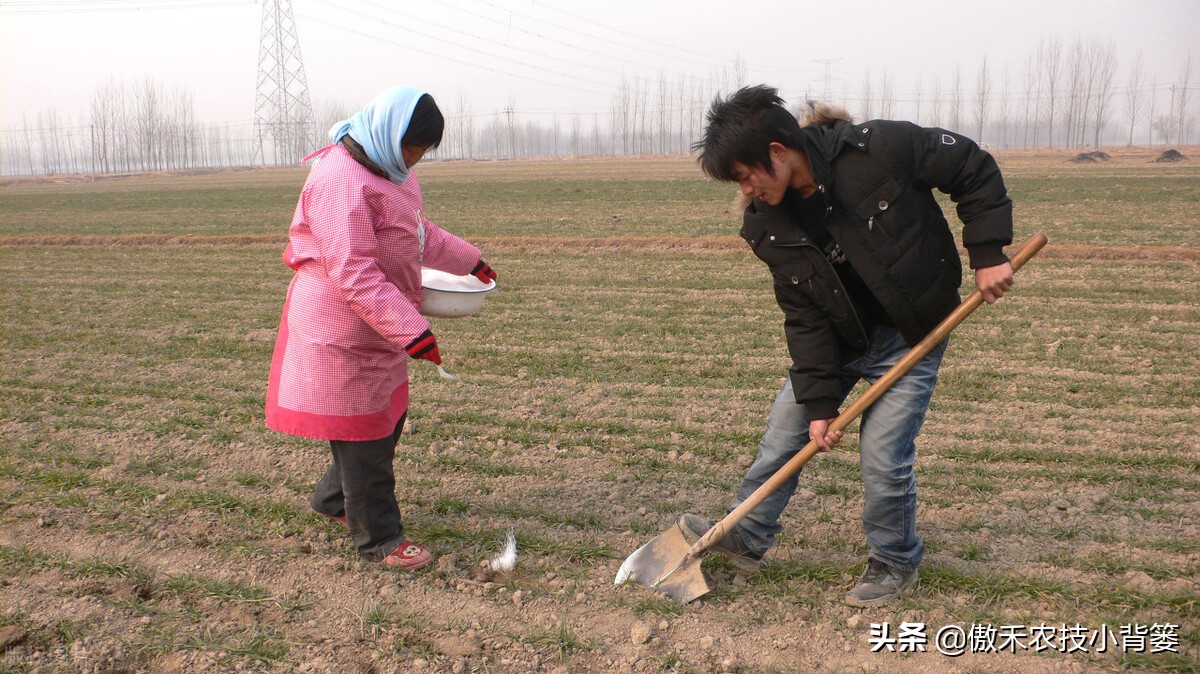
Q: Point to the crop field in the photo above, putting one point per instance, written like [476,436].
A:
[619,377]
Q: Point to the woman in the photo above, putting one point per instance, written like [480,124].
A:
[351,319]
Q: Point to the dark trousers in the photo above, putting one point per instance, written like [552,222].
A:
[361,484]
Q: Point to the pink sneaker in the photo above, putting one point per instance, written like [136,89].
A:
[409,556]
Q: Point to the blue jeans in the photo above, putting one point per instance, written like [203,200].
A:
[887,447]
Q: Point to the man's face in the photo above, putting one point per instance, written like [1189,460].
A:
[758,182]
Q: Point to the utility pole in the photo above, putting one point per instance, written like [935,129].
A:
[827,78]
[512,132]
[283,115]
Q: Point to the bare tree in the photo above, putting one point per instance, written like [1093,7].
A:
[458,126]
[495,132]
[103,124]
[1050,56]
[147,119]
[663,113]
[1153,103]
[920,97]
[124,132]
[887,97]
[1074,108]
[597,139]
[468,132]
[48,138]
[867,111]
[27,135]
[681,114]
[739,70]
[1165,126]
[956,97]
[1185,77]
[1133,93]
[641,104]
[937,102]
[622,116]
[696,110]
[983,90]
[1032,100]
[1104,70]
[1005,118]
[576,131]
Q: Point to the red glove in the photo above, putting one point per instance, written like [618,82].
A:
[484,272]
[425,348]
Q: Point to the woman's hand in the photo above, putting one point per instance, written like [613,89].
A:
[424,347]
[484,272]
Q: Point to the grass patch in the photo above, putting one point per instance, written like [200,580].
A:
[561,642]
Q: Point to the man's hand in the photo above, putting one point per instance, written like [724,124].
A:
[818,429]
[993,282]
[425,348]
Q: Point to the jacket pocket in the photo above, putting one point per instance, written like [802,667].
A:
[775,242]
[873,207]
[797,274]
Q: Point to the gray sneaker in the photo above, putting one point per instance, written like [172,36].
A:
[880,584]
[695,526]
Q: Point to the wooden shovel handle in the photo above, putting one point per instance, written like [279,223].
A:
[914,355]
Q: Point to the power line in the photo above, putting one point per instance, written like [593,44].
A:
[85,7]
[620,31]
[410,30]
[486,39]
[610,55]
[576,31]
[453,58]
[689,55]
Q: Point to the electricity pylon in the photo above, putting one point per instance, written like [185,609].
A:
[283,116]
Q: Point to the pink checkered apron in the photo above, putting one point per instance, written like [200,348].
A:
[357,243]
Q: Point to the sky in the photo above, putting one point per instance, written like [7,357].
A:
[550,57]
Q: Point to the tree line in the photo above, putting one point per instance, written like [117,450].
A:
[1075,95]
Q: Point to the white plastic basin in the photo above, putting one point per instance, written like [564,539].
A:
[451,296]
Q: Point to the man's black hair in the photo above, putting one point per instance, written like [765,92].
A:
[741,129]
[426,126]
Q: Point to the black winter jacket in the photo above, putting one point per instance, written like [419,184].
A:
[877,181]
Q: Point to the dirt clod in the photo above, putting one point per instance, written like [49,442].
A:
[11,636]
[639,633]
[1140,581]
[459,646]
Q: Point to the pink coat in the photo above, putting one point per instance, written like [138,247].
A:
[357,243]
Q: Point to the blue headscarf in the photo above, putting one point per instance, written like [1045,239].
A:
[380,126]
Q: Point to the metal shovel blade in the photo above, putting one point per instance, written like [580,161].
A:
[648,565]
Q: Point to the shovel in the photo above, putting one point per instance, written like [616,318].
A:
[671,566]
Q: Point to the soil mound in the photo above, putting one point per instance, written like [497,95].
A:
[1090,157]
[1171,155]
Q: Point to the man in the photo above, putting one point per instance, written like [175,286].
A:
[864,266]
